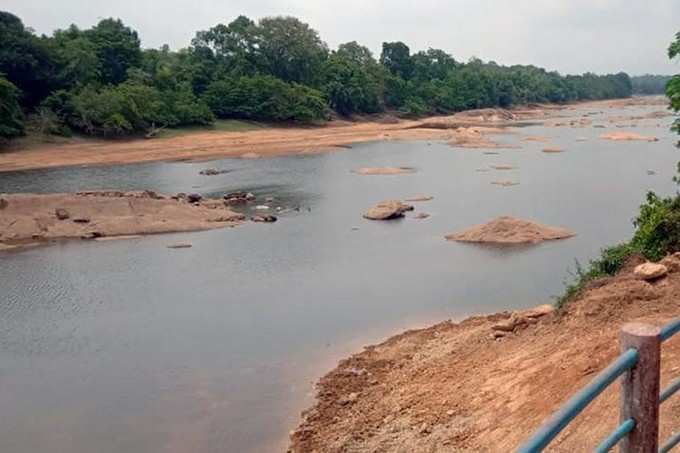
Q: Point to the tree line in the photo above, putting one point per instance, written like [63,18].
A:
[100,81]
[650,83]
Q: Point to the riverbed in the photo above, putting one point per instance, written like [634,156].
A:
[131,346]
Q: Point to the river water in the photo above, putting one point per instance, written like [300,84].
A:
[131,346]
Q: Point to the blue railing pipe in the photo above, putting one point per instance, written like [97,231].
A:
[578,402]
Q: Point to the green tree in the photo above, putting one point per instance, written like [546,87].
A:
[11,117]
[290,50]
[117,47]
[77,57]
[235,45]
[25,60]
[396,58]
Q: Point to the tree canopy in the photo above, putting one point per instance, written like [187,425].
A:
[101,81]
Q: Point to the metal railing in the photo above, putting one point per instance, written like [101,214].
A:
[639,366]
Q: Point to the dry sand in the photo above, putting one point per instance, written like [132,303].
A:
[510,230]
[40,217]
[384,170]
[627,136]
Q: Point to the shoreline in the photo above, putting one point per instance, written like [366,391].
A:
[487,382]
[275,142]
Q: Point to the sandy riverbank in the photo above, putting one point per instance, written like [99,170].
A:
[473,129]
[470,387]
[37,218]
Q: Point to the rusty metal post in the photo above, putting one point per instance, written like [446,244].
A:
[640,388]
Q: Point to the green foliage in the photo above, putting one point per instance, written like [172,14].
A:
[275,69]
[290,49]
[351,87]
[649,84]
[11,118]
[117,47]
[264,98]
[396,58]
[25,60]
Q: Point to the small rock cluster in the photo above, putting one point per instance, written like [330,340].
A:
[520,319]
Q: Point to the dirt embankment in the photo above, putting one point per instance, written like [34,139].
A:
[30,218]
[470,387]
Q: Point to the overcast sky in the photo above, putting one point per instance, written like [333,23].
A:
[571,36]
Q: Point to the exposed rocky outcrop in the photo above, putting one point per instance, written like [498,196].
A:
[97,214]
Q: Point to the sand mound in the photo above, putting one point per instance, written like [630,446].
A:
[384,170]
[535,138]
[553,149]
[510,230]
[628,136]
[89,215]
[420,197]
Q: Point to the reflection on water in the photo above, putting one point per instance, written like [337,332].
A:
[129,346]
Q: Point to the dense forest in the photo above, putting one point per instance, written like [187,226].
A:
[650,84]
[100,81]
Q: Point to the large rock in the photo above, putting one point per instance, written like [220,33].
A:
[386,210]
[650,271]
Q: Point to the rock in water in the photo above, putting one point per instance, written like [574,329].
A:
[650,271]
[181,245]
[264,218]
[386,210]
[510,230]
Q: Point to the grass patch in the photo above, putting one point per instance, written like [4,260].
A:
[217,126]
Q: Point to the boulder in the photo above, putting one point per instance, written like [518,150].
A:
[650,271]
[194,197]
[386,210]
[3,203]
[421,215]
[82,220]
[264,218]
[61,213]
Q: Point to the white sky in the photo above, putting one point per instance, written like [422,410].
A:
[571,36]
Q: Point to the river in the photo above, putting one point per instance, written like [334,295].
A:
[131,346]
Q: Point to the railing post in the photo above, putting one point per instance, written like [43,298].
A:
[640,388]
